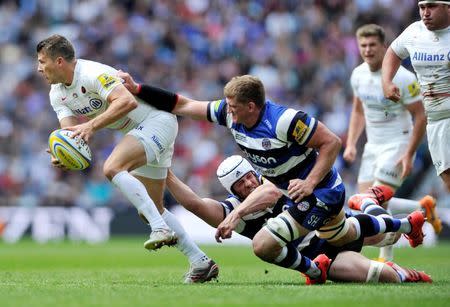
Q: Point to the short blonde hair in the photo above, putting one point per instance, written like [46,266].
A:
[246,88]
[371,30]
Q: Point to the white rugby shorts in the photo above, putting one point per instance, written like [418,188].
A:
[438,133]
[157,133]
[379,163]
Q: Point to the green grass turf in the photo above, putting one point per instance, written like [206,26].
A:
[122,273]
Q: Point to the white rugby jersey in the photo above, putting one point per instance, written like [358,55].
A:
[386,120]
[429,52]
[88,93]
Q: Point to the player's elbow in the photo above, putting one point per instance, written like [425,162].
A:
[335,142]
[272,193]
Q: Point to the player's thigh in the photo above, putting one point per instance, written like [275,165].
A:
[387,170]
[267,244]
[338,231]
[155,189]
[157,135]
[128,154]
[318,209]
[438,133]
[366,169]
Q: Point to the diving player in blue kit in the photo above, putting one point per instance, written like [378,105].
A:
[249,215]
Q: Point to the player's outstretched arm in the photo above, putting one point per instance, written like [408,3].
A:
[166,100]
[389,68]
[209,210]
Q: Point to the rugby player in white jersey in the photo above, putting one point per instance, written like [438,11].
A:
[392,135]
[253,200]
[427,44]
[138,164]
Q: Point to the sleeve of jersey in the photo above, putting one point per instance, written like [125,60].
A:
[399,44]
[217,112]
[296,126]
[228,205]
[353,83]
[410,88]
[60,109]
[104,84]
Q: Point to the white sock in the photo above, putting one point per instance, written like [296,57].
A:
[185,244]
[403,206]
[136,193]
[387,252]
[405,226]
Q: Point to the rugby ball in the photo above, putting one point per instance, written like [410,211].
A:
[73,153]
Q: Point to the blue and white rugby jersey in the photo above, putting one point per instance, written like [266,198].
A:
[275,146]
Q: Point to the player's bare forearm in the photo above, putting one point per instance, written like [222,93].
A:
[121,102]
[191,108]
[182,193]
[328,145]
[263,197]
[207,209]
[420,122]
[357,122]
[390,66]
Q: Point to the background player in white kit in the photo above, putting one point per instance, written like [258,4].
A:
[392,136]
[427,44]
[81,87]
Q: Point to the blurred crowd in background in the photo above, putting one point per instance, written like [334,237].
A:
[304,51]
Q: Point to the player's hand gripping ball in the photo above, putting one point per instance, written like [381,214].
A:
[73,153]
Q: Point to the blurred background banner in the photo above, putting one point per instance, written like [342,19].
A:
[52,224]
[304,52]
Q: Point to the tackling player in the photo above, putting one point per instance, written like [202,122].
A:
[294,151]
[138,164]
[253,201]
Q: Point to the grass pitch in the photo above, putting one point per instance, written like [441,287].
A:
[122,273]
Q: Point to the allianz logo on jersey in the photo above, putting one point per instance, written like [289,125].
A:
[430,57]
[258,159]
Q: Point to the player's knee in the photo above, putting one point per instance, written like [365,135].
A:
[109,171]
[259,249]
[111,168]
[265,247]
